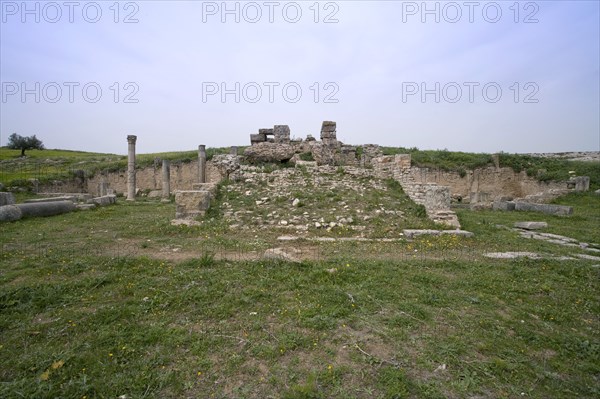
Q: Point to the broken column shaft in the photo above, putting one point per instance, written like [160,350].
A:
[202,163]
[131,139]
[166,178]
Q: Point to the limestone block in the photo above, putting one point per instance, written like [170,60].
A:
[559,210]
[531,225]
[190,204]
[50,199]
[437,197]
[210,187]
[269,152]
[328,126]
[281,134]
[155,194]
[503,206]
[10,213]
[7,199]
[582,183]
[280,254]
[412,233]
[403,161]
[104,200]
[257,138]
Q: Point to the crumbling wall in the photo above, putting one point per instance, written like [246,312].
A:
[474,186]
[182,176]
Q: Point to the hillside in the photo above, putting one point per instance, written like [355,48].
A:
[56,164]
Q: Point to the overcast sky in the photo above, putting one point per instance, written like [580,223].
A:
[466,76]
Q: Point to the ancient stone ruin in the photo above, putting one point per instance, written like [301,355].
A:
[194,184]
[328,151]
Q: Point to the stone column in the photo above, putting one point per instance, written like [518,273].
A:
[131,167]
[166,179]
[102,189]
[233,150]
[202,163]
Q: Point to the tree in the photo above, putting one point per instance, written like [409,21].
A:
[17,142]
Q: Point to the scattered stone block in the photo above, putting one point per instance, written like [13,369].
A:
[287,238]
[71,196]
[155,194]
[280,254]
[462,233]
[306,164]
[281,134]
[560,210]
[588,257]
[190,204]
[410,233]
[511,255]
[597,192]
[10,213]
[328,126]
[210,187]
[503,206]
[531,225]
[257,138]
[582,183]
[86,207]
[50,199]
[7,199]
[103,201]
[479,206]
[185,222]
[269,152]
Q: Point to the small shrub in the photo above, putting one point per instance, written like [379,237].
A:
[420,211]
[307,156]
[207,259]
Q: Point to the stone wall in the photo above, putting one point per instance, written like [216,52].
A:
[479,185]
[433,196]
[183,175]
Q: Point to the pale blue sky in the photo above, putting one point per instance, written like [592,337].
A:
[373,54]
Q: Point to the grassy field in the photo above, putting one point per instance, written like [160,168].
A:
[116,302]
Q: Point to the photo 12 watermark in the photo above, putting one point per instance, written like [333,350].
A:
[269,92]
[69,11]
[68,92]
[453,12]
[471,92]
[270,12]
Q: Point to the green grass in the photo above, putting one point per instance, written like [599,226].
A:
[116,301]
[8,154]
[544,169]
[47,165]
[442,159]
